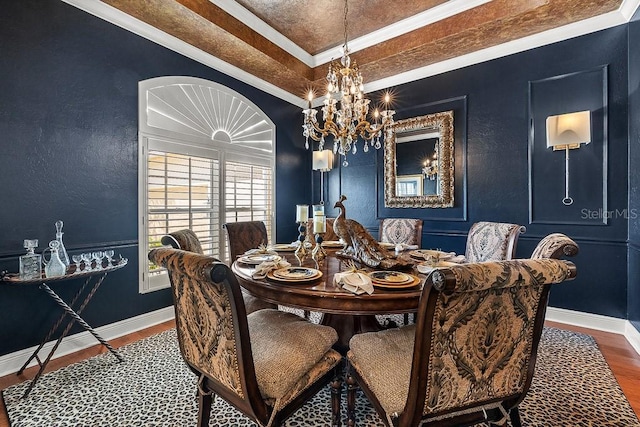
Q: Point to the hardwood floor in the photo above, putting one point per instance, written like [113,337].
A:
[621,357]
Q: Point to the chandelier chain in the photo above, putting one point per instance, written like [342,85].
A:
[346,35]
[345,109]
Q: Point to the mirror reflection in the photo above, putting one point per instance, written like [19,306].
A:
[419,162]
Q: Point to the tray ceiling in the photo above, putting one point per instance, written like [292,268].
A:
[285,45]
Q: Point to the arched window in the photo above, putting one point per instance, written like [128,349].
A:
[206,157]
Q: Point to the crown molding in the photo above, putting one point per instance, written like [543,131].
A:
[555,35]
[438,13]
[121,19]
[239,12]
[142,29]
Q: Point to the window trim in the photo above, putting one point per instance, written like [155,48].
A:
[170,141]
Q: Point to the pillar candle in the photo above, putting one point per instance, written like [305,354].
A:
[319,224]
[302,213]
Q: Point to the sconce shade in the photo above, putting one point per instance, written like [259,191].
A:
[569,130]
[323,160]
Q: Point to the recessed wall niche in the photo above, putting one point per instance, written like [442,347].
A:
[587,177]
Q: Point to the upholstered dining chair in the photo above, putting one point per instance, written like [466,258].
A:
[555,245]
[187,240]
[401,230]
[492,241]
[470,357]
[266,364]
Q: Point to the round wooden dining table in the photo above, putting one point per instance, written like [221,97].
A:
[346,312]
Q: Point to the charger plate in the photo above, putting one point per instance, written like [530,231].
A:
[284,247]
[294,274]
[390,277]
[415,281]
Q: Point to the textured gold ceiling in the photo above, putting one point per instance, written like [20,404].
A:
[317,25]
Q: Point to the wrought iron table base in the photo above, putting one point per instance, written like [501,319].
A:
[75,317]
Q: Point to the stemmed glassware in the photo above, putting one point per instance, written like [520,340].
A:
[86,257]
[97,255]
[77,259]
[109,254]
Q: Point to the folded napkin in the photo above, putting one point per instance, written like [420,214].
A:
[296,243]
[355,282]
[400,247]
[265,267]
[458,259]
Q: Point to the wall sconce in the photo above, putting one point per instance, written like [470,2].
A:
[322,161]
[567,132]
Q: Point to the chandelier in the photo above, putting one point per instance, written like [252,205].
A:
[430,166]
[345,109]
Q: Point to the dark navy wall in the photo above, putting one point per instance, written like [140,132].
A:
[633,293]
[497,163]
[69,121]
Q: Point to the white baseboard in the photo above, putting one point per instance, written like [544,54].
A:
[633,336]
[12,362]
[597,322]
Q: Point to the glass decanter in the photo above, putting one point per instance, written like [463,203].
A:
[31,263]
[54,267]
[62,252]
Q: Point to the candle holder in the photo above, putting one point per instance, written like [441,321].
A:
[318,254]
[301,251]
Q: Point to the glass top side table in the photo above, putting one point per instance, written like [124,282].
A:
[92,281]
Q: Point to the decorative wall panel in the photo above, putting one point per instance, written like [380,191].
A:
[587,182]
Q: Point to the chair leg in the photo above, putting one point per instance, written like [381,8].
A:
[336,392]
[351,398]
[204,408]
[514,414]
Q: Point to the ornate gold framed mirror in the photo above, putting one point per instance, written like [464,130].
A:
[419,162]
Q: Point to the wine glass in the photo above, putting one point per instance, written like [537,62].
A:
[97,255]
[87,261]
[77,259]
[109,254]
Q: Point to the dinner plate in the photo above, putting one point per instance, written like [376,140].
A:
[295,274]
[332,244]
[390,277]
[284,247]
[415,281]
[428,253]
[256,259]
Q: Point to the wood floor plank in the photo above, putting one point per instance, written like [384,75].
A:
[619,354]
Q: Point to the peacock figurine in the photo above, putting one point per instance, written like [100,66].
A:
[359,244]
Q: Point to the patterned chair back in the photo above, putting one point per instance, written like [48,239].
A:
[555,245]
[477,335]
[401,230]
[245,235]
[183,239]
[211,323]
[492,241]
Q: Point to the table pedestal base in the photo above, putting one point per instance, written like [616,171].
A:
[347,326]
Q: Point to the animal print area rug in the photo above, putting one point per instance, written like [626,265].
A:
[572,386]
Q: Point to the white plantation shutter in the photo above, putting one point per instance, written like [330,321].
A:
[206,157]
[248,193]
[183,192]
